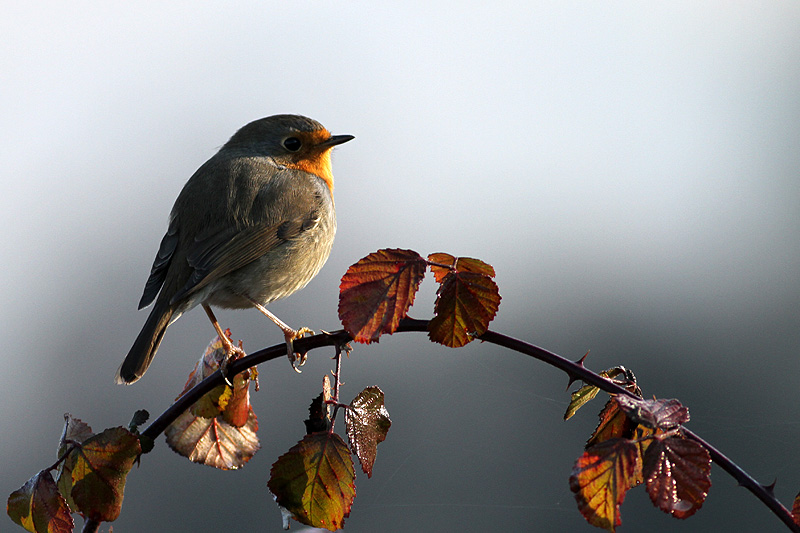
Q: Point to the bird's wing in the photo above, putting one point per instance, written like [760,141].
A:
[160,265]
[217,254]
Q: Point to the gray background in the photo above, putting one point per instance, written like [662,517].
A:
[630,170]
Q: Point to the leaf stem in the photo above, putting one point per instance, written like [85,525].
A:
[91,526]
[72,445]
[337,382]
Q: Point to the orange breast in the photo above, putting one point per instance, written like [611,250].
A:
[319,164]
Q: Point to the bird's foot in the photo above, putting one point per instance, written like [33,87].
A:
[232,353]
[296,359]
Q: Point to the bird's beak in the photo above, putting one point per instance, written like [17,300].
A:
[333,140]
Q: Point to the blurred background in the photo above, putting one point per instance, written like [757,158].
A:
[630,170]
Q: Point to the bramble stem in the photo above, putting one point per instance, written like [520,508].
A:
[574,370]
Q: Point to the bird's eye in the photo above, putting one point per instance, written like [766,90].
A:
[292,144]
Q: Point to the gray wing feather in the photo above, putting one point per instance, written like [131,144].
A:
[160,265]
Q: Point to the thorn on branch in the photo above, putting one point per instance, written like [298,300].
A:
[573,377]
[771,487]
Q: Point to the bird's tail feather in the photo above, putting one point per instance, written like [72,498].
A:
[144,348]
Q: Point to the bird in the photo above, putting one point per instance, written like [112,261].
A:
[253,224]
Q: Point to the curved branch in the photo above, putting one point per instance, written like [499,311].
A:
[575,370]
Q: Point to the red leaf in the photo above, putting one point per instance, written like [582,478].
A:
[613,425]
[444,263]
[376,292]
[465,304]
[75,431]
[99,468]
[655,414]
[367,423]
[220,429]
[39,507]
[677,472]
[600,479]
[213,441]
[315,481]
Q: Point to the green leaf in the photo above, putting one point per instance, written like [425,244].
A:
[586,393]
[315,481]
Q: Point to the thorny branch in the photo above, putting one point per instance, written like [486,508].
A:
[575,370]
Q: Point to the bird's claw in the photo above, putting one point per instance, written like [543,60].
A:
[300,358]
[223,368]
[231,354]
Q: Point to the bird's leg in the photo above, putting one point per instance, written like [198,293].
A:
[289,335]
[230,349]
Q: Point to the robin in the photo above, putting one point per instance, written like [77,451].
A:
[254,224]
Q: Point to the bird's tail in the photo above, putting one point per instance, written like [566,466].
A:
[144,348]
